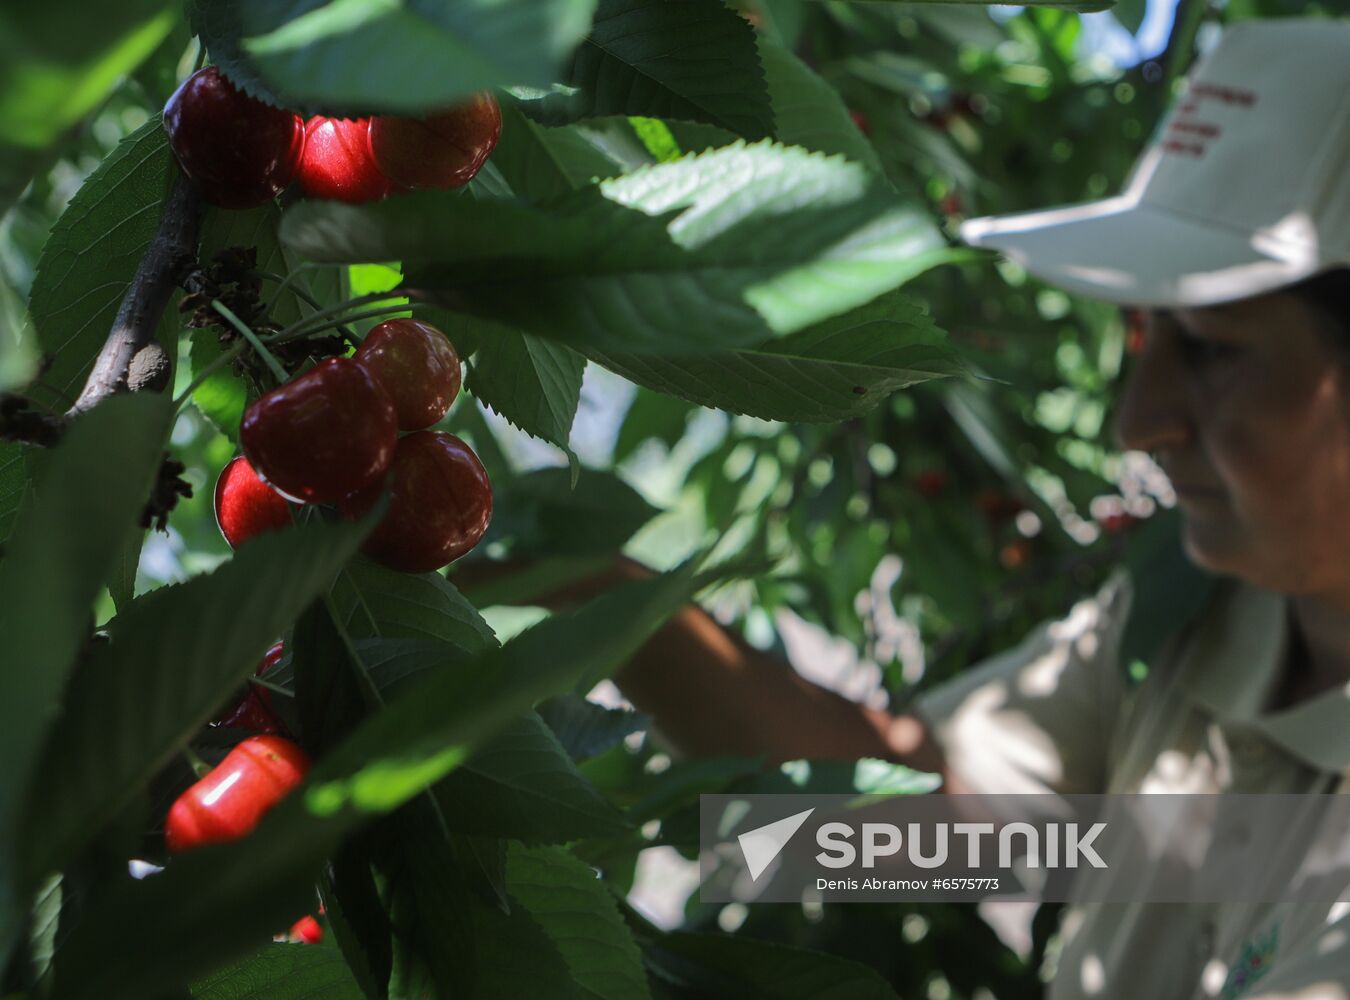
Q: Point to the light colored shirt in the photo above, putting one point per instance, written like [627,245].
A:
[1059,714]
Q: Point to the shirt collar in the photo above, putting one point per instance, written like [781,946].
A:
[1235,661]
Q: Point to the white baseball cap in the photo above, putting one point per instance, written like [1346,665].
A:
[1245,187]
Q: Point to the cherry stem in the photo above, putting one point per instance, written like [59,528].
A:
[186,395]
[199,767]
[308,324]
[244,331]
[284,282]
[308,327]
[290,278]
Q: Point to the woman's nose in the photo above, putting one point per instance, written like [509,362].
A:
[1154,414]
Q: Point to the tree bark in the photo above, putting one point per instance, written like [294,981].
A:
[138,317]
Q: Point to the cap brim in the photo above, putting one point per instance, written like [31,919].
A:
[1126,251]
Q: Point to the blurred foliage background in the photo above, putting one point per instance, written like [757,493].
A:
[914,541]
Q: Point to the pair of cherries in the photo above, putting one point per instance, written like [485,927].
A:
[331,436]
[241,153]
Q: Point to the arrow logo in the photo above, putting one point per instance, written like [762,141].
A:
[760,846]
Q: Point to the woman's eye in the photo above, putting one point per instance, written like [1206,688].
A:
[1204,350]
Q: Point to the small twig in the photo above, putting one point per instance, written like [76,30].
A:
[139,314]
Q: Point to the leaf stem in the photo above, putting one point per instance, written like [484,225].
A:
[271,686]
[253,340]
[362,672]
[199,767]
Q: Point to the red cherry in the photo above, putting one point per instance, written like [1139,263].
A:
[246,506]
[254,710]
[439,506]
[238,151]
[337,162]
[231,800]
[998,507]
[930,482]
[1114,524]
[306,930]
[443,150]
[417,366]
[1015,554]
[323,435]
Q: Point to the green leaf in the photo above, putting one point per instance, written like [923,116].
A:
[578,913]
[171,660]
[122,583]
[779,972]
[691,60]
[1082,6]
[541,164]
[18,352]
[584,728]
[427,728]
[533,383]
[61,553]
[1168,589]
[223,900]
[375,602]
[658,139]
[355,914]
[53,73]
[751,240]
[91,257]
[330,701]
[685,780]
[13,486]
[653,416]
[542,514]
[363,56]
[517,958]
[522,785]
[808,111]
[429,904]
[282,972]
[837,370]
[1130,14]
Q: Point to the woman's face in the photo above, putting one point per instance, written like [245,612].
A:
[1246,406]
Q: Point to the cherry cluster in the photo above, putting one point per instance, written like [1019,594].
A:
[331,436]
[241,153]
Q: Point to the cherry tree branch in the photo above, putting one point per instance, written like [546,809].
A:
[133,330]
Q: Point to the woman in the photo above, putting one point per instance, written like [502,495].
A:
[1234,237]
